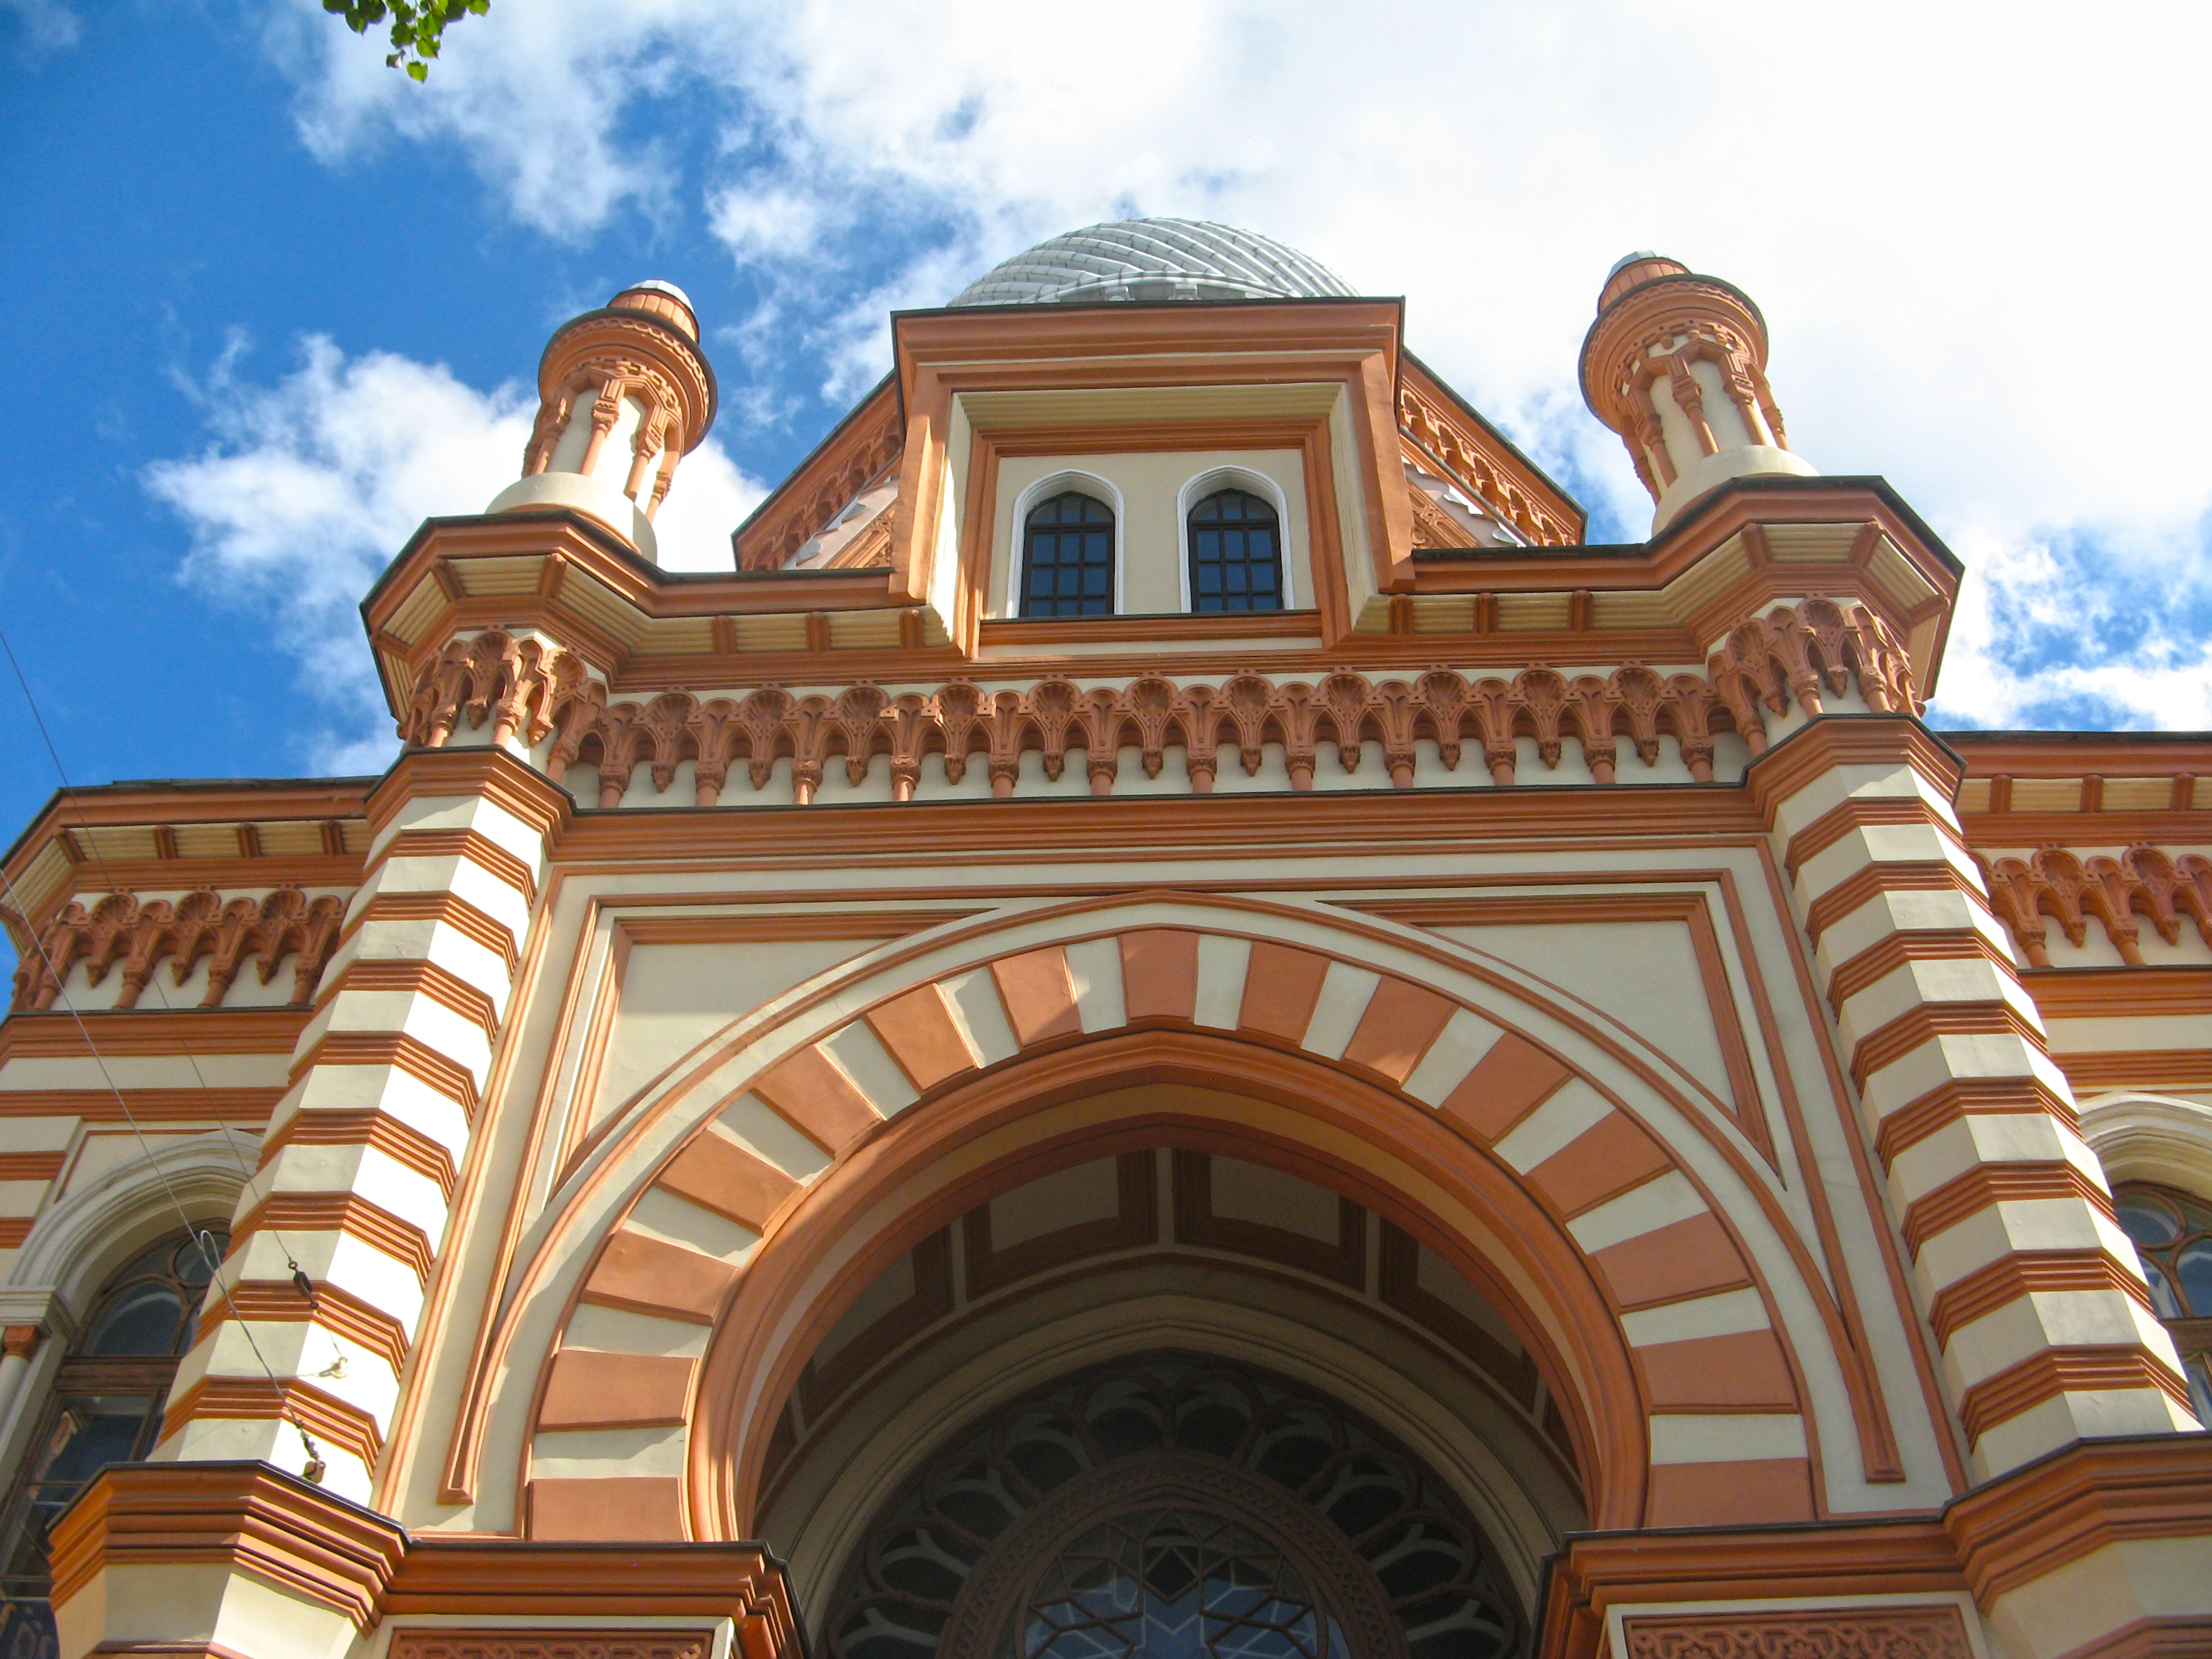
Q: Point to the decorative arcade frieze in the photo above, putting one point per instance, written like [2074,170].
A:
[526,690]
[122,935]
[2142,885]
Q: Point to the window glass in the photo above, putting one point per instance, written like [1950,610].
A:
[1235,553]
[1068,558]
[105,1407]
[2173,1234]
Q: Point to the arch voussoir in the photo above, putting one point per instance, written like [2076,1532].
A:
[1686,1404]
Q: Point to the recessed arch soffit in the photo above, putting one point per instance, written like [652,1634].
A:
[1560,1109]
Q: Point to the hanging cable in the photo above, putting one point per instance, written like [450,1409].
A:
[91,843]
[202,1242]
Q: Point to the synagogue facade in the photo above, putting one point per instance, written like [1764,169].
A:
[1174,1020]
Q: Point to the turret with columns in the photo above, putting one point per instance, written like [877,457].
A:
[623,394]
[1676,364]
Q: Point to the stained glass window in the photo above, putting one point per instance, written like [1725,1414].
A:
[1068,558]
[1235,553]
[105,1407]
[1167,1584]
[2173,1235]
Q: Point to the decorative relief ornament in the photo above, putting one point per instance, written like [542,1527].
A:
[118,932]
[2142,883]
[1933,1633]
[527,690]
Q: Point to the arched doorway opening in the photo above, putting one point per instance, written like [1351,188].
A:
[1253,1315]
[1171,1504]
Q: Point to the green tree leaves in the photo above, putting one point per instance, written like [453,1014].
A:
[417,26]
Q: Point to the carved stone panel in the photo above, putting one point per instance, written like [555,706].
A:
[1922,1632]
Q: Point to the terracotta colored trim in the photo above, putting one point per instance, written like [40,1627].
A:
[340,1423]
[1507,1084]
[1876,879]
[1159,973]
[1962,1096]
[369,1126]
[2050,1372]
[1754,1491]
[1692,1257]
[1864,812]
[490,773]
[1894,950]
[336,1308]
[427,979]
[417,1059]
[1038,994]
[2106,992]
[1402,1020]
[2095,1070]
[1938,1631]
[1975,1189]
[1282,987]
[809,1092]
[1925,1020]
[248,1516]
[57,1035]
[1612,1156]
[450,909]
[588,1389]
[2078,1500]
[641,1274]
[918,1032]
[749,927]
[1840,740]
[715,1172]
[341,1212]
[145,1105]
[1743,1372]
[30,1166]
[488,855]
[648,1508]
[489,1578]
[754,1365]
[2023,1273]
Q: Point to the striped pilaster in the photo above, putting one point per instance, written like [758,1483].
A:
[360,1160]
[2032,1292]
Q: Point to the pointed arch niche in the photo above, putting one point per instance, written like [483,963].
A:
[1664,1353]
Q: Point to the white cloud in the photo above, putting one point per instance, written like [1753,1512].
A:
[313,484]
[49,26]
[1970,231]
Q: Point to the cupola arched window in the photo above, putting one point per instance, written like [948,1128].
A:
[1235,553]
[106,1405]
[1068,557]
[2173,1235]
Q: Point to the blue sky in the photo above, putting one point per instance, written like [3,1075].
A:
[275,302]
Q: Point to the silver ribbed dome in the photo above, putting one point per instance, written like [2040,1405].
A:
[1147,260]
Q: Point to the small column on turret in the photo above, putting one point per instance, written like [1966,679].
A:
[623,393]
[1676,364]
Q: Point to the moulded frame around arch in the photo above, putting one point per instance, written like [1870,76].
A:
[1233,476]
[763,1336]
[1035,495]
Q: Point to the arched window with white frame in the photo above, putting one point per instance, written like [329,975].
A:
[2173,1235]
[1067,564]
[1235,553]
[104,1407]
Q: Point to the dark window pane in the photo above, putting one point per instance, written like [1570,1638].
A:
[1070,569]
[1235,553]
[142,1319]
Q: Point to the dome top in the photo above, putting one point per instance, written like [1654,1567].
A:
[1153,259]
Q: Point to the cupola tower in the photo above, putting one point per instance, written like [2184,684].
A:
[1676,364]
[623,394]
